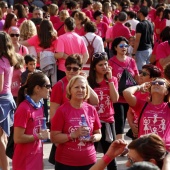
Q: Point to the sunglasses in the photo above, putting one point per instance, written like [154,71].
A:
[99,54]
[14,35]
[157,82]
[47,86]
[130,160]
[143,73]
[123,45]
[68,68]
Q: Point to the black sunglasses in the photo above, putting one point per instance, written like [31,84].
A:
[158,82]
[99,54]
[143,73]
[14,35]
[48,86]
[68,68]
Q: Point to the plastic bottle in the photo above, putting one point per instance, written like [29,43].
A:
[84,123]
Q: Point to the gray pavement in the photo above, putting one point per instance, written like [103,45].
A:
[48,166]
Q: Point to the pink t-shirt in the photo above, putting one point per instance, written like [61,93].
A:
[60,89]
[152,14]
[157,23]
[88,13]
[34,41]
[30,119]
[117,71]
[101,29]
[65,44]
[120,29]
[162,51]
[20,21]
[7,71]
[67,119]
[16,81]
[107,20]
[80,32]
[154,119]
[105,106]
[162,24]
[23,50]
[59,27]
[54,19]
[109,35]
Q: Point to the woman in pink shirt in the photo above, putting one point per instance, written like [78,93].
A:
[53,11]
[155,117]
[107,14]
[106,86]
[87,8]
[7,104]
[75,127]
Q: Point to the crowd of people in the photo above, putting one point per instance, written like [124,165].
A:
[73,71]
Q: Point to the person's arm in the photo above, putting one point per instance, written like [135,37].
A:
[152,58]
[60,55]
[115,149]
[24,43]
[96,136]
[93,99]
[1,82]
[164,61]
[166,163]
[85,58]
[53,107]
[137,41]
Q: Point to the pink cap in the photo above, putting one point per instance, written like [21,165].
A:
[13,28]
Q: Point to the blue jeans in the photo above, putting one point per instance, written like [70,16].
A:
[142,57]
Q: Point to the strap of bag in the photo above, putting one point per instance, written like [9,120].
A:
[120,65]
[59,27]
[88,40]
[142,113]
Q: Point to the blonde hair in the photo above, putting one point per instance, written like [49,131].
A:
[53,9]
[72,82]
[1,14]
[63,15]
[20,61]
[27,30]
[97,6]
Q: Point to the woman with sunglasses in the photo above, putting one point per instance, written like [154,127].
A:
[100,79]
[73,65]
[7,104]
[154,115]
[75,140]
[148,73]
[14,33]
[28,123]
[119,62]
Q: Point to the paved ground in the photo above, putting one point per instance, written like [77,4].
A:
[48,166]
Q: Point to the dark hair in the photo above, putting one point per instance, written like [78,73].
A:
[81,16]
[90,27]
[143,166]
[86,3]
[167,71]
[153,70]
[74,59]
[7,48]
[128,24]
[71,4]
[131,14]
[122,16]
[150,146]
[46,33]
[21,11]
[34,79]
[149,2]
[8,20]
[165,34]
[159,10]
[116,41]
[70,23]
[125,5]
[28,58]
[97,13]
[144,10]
[166,14]
[92,73]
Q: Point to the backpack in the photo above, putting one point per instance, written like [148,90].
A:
[126,80]
[90,49]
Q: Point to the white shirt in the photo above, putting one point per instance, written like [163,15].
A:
[133,22]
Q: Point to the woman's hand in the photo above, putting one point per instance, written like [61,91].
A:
[44,134]
[134,129]
[109,72]
[145,87]
[81,131]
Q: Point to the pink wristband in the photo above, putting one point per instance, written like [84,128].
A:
[106,159]
[35,135]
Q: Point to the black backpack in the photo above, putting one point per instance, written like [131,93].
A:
[125,81]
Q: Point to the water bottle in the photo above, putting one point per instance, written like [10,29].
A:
[43,126]
[84,123]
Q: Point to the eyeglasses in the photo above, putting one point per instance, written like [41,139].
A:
[14,35]
[68,68]
[143,73]
[123,45]
[99,54]
[130,160]
[158,82]
[48,86]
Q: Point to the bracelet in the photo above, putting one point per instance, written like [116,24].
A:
[106,159]
[35,135]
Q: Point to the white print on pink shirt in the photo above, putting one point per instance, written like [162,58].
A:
[154,124]
[15,84]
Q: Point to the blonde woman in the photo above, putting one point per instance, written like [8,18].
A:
[28,30]
[53,11]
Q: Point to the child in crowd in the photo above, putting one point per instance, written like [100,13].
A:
[16,79]
[30,63]
[131,46]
